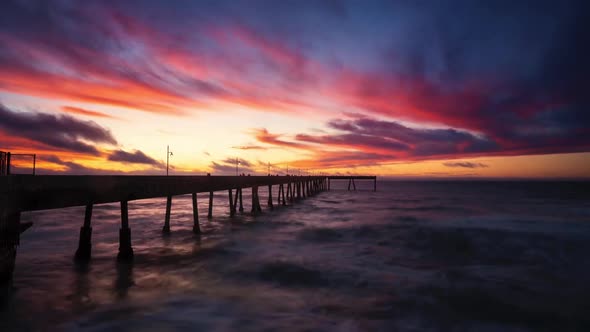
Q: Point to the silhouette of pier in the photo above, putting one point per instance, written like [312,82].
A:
[351,182]
[30,193]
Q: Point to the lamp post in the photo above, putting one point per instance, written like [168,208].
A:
[168,154]
[237,162]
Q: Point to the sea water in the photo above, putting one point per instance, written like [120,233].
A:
[413,256]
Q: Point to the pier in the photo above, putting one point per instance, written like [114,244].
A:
[351,182]
[31,193]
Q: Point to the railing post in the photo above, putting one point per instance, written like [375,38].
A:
[8,163]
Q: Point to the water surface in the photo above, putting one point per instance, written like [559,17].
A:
[413,256]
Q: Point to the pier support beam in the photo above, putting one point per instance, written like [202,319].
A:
[241,205]
[210,213]
[196,227]
[232,209]
[125,249]
[85,243]
[270,205]
[166,228]
[255,201]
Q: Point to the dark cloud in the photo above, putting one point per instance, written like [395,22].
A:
[74,168]
[371,135]
[62,132]
[465,164]
[135,157]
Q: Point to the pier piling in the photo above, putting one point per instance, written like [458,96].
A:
[270,205]
[166,228]
[196,227]
[125,249]
[232,209]
[241,205]
[210,213]
[85,242]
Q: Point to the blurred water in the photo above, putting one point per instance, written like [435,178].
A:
[413,256]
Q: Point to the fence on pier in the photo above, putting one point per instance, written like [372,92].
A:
[17,163]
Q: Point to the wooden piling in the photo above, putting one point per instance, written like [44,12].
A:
[270,205]
[232,209]
[125,249]
[85,242]
[210,213]
[255,201]
[166,228]
[236,199]
[196,226]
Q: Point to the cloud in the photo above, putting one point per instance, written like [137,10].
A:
[465,164]
[61,132]
[262,135]
[227,168]
[232,161]
[82,111]
[135,157]
[504,80]
[370,135]
[249,147]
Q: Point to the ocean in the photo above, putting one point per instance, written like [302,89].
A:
[413,256]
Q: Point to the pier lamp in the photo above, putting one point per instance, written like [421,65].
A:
[168,154]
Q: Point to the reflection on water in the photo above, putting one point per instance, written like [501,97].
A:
[412,256]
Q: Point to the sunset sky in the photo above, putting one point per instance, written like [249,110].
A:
[392,88]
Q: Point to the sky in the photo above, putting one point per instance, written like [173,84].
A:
[493,89]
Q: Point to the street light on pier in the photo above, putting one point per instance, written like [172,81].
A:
[168,154]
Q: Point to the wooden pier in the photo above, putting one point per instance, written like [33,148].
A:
[30,193]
